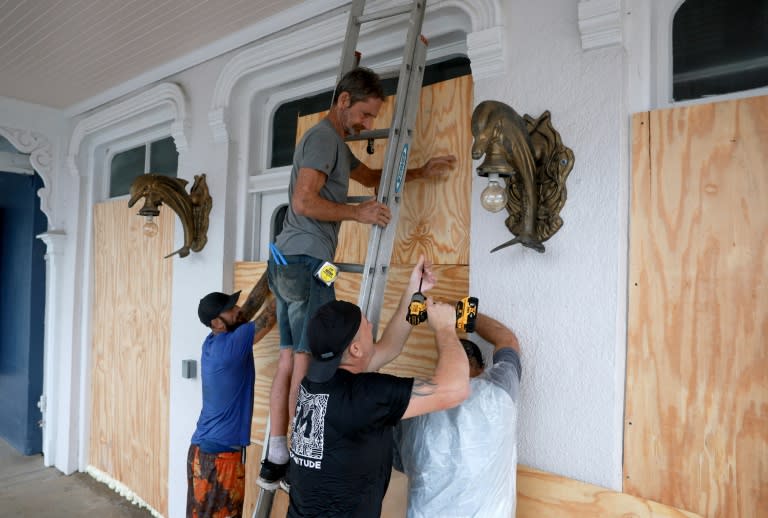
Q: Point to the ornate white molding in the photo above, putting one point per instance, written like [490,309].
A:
[267,55]
[40,153]
[600,23]
[163,95]
[483,14]
[55,241]
[217,120]
[486,53]
[485,29]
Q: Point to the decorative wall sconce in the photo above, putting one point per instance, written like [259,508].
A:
[526,164]
[193,208]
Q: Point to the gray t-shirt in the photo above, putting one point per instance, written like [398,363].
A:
[321,148]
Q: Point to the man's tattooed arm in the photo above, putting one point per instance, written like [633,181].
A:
[265,320]
[423,387]
[256,297]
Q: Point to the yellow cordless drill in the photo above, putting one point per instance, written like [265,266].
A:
[466,311]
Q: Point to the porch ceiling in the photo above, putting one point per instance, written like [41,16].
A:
[60,53]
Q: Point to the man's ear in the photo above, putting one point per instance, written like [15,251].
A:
[218,325]
[344,100]
[354,349]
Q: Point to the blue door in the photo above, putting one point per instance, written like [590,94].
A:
[22,309]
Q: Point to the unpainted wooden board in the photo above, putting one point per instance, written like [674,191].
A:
[130,350]
[541,494]
[434,214]
[696,429]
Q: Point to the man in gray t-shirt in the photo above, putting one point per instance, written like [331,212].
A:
[322,167]
[463,461]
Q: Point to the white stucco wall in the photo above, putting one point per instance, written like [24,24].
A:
[563,304]
[211,270]
[568,305]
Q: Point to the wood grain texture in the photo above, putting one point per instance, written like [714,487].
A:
[696,429]
[252,467]
[265,351]
[541,494]
[434,215]
[130,350]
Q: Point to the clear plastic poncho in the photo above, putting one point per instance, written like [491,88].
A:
[462,462]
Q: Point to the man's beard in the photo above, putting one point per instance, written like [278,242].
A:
[231,326]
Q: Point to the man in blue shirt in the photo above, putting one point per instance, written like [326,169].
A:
[216,457]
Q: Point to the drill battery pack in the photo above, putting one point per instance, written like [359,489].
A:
[466,314]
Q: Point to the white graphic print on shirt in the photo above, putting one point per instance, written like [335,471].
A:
[309,428]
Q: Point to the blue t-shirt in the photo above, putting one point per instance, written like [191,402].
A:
[228,375]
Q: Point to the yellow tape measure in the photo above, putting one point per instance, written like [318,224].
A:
[327,272]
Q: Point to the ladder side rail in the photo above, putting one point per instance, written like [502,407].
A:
[380,268]
[414,54]
[348,59]
[381,240]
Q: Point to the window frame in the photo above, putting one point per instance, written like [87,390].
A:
[122,145]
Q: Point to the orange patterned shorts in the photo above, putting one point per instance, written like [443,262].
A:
[215,484]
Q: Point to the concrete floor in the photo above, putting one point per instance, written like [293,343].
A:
[28,489]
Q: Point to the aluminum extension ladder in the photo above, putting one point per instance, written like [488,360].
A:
[399,135]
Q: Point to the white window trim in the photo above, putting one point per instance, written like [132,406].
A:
[162,108]
[648,41]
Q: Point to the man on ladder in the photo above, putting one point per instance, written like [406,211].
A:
[301,272]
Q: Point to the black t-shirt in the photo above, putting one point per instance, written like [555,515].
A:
[341,446]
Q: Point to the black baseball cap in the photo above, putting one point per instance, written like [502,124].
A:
[214,304]
[329,332]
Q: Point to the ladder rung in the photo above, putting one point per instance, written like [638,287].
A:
[365,135]
[384,13]
[351,267]
[359,199]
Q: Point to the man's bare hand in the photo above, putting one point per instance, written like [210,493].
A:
[374,213]
[423,275]
[440,315]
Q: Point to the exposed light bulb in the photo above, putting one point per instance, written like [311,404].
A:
[150,227]
[493,197]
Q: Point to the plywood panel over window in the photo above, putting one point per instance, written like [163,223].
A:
[130,350]
[696,430]
[434,215]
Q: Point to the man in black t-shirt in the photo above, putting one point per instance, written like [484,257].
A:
[341,446]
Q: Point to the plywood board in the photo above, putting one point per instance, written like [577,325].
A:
[696,429]
[252,467]
[541,494]
[434,215]
[265,351]
[546,495]
[130,350]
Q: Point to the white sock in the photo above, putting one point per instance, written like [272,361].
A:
[278,450]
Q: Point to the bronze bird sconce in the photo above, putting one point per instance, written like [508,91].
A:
[529,157]
[193,208]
